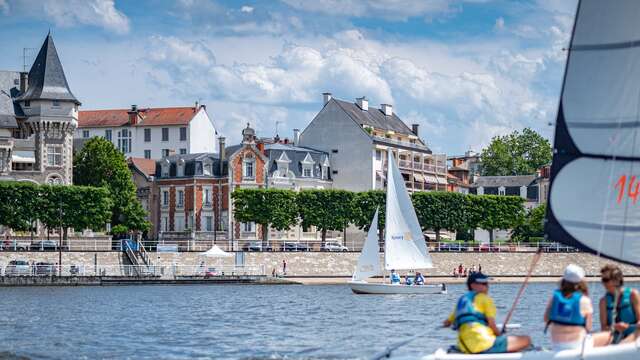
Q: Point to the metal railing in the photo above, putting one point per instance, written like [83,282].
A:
[163,271]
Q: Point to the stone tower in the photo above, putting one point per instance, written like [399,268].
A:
[50,117]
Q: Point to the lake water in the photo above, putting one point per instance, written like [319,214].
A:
[238,322]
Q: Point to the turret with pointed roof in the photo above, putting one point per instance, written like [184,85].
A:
[46,77]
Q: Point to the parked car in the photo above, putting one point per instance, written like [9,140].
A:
[431,236]
[45,269]
[17,268]
[334,246]
[44,245]
[16,245]
[295,246]
[446,247]
[256,246]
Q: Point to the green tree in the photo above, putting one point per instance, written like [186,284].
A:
[20,205]
[497,212]
[365,204]
[325,209]
[516,154]
[100,164]
[440,210]
[532,225]
[268,207]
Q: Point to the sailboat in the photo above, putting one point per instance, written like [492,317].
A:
[595,174]
[405,248]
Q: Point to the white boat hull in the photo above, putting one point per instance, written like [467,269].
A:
[615,352]
[363,287]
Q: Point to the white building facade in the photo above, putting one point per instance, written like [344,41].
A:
[151,133]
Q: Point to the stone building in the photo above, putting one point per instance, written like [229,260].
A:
[358,137]
[143,172]
[462,171]
[38,115]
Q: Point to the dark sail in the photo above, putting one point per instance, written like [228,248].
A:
[594,197]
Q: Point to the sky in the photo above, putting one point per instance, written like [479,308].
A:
[464,70]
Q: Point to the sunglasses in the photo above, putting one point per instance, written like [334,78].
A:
[606,279]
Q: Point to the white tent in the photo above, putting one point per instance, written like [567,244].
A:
[216,252]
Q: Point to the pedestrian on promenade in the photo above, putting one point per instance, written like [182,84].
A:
[284,267]
[479,268]
[455,272]
[473,269]
[465,272]
[460,269]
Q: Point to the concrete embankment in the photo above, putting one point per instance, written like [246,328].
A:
[9,281]
[318,264]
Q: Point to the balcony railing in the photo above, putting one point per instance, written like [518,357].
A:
[406,164]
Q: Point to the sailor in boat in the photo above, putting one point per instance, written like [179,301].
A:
[474,319]
[625,329]
[569,313]
[408,280]
[395,277]
[419,279]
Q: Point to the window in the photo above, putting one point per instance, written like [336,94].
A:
[124,141]
[335,151]
[183,134]
[247,171]
[54,155]
[165,152]
[147,135]
[165,223]
[56,103]
[85,134]
[180,198]
[247,227]
[27,103]
[165,198]
[206,199]
[306,171]
[183,151]
[107,134]
[324,172]
[165,134]
[209,223]
[147,154]
[378,154]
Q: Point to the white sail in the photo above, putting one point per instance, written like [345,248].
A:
[405,248]
[369,260]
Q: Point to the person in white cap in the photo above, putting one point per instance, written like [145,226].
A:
[569,313]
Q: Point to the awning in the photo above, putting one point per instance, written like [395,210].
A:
[22,156]
[430,179]
[418,177]
[441,180]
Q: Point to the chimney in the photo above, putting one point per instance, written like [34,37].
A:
[195,109]
[296,136]
[260,146]
[286,141]
[24,77]
[221,151]
[326,97]
[414,129]
[133,115]
[386,109]
[363,103]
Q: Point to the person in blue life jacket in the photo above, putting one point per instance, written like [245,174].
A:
[408,280]
[395,278]
[474,319]
[626,311]
[419,280]
[569,312]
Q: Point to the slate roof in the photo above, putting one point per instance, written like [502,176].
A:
[46,77]
[296,154]
[149,117]
[190,161]
[374,117]
[8,91]
[506,181]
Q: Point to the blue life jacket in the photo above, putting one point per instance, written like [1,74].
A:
[624,311]
[409,281]
[395,278]
[420,280]
[566,311]
[466,312]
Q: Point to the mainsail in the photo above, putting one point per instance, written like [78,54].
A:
[369,260]
[595,175]
[404,245]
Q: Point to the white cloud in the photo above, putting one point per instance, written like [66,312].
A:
[499,25]
[246,9]
[102,13]
[399,10]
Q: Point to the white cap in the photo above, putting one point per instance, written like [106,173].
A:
[573,274]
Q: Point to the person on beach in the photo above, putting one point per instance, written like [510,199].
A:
[395,277]
[627,309]
[474,319]
[419,279]
[569,313]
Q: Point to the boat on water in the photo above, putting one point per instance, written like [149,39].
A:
[596,160]
[405,247]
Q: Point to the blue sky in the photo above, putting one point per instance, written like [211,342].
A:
[464,70]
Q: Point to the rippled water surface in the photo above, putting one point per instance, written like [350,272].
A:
[238,322]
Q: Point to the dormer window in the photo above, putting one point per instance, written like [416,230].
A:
[307,166]
[27,103]
[165,168]
[306,171]
[56,103]
[199,168]
[207,168]
[181,167]
[248,167]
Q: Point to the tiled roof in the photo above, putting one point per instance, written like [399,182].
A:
[148,117]
[146,166]
[506,181]
[46,77]
[191,161]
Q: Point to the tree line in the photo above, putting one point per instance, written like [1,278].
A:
[335,209]
[54,206]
